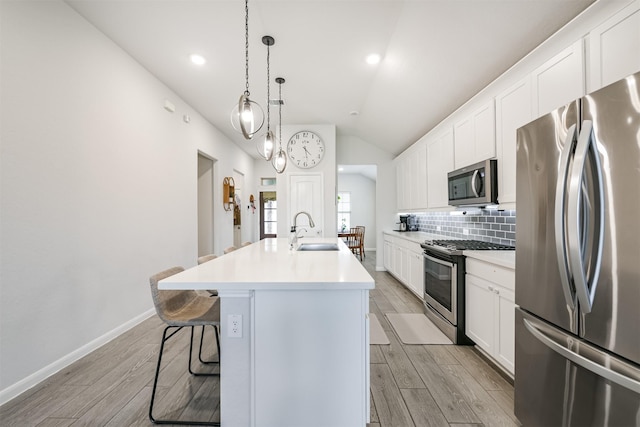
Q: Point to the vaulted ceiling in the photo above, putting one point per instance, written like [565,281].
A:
[436,54]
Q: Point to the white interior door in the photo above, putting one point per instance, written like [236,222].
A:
[307,195]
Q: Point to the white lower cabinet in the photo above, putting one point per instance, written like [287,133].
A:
[388,253]
[403,259]
[490,310]
[416,272]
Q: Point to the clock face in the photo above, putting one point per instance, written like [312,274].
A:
[305,149]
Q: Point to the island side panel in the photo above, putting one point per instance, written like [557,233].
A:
[236,373]
[311,353]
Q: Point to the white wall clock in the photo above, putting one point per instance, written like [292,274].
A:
[305,149]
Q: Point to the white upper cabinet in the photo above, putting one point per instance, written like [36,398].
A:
[411,179]
[439,163]
[402,192]
[513,110]
[419,195]
[614,47]
[559,81]
[474,136]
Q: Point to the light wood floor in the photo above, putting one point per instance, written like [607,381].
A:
[411,385]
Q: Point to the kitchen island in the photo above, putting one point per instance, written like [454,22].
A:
[294,333]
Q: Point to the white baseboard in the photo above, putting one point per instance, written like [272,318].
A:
[25,384]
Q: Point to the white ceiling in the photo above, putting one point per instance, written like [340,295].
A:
[436,55]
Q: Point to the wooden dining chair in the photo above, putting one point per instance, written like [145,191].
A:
[361,228]
[230,249]
[179,309]
[354,241]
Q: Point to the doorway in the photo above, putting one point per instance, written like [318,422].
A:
[205,205]
[268,214]
[358,185]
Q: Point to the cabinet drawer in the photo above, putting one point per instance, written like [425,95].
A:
[502,276]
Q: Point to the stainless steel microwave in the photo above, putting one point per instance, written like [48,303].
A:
[474,185]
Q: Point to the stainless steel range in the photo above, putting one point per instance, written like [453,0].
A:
[444,287]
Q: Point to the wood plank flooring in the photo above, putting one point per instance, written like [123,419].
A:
[411,385]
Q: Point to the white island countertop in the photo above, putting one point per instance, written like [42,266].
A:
[270,265]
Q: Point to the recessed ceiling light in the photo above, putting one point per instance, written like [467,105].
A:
[373,59]
[198,59]
[354,113]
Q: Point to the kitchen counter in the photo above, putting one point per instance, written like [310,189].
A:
[502,258]
[415,236]
[301,356]
[270,265]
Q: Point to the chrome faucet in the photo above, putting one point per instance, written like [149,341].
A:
[293,239]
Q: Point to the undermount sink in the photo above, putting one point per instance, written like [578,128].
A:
[318,247]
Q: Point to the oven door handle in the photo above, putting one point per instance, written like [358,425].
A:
[439,261]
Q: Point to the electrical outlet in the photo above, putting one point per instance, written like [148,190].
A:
[465,231]
[234,327]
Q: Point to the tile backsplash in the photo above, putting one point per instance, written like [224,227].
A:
[481,224]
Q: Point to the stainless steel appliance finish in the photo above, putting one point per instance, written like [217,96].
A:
[474,185]
[444,285]
[578,262]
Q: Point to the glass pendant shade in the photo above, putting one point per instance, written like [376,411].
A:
[247,117]
[266,145]
[280,161]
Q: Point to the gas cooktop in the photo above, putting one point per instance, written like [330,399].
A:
[454,246]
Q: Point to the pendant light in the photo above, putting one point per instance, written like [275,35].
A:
[280,159]
[267,143]
[247,117]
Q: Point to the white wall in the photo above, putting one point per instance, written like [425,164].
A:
[327,168]
[354,151]
[99,189]
[363,204]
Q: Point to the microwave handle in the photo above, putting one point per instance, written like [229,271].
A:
[473,182]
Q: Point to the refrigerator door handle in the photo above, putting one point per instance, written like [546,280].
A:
[586,143]
[473,183]
[559,220]
[561,348]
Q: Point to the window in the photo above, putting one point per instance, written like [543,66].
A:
[344,211]
[268,214]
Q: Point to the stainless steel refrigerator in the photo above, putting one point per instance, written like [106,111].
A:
[578,262]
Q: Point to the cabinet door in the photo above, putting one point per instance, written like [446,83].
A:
[479,312]
[396,260]
[439,163]
[388,253]
[401,185]
[419,200]
[513,110]
[463,143]
[505,339]
[614,48]
[403,273]
[559,81]
[484,132]
[475,136]
[416,273]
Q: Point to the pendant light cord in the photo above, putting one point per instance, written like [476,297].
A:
[246,45]
[280,115]
[268,93]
